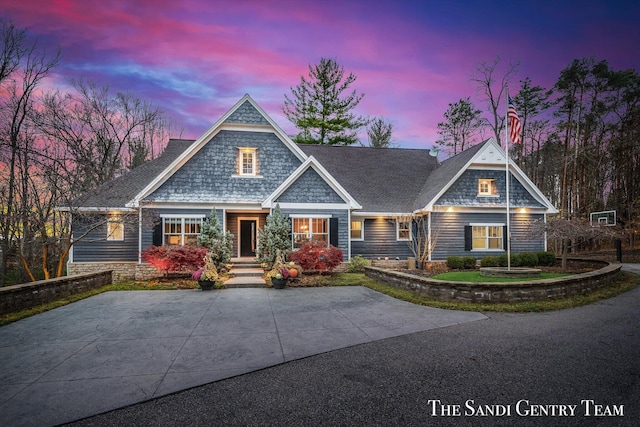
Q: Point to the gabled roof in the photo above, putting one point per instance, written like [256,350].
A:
[264,123]
[118,193]
[382,180]
[311,162]
[442,177]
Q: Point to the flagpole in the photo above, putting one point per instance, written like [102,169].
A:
[506,149]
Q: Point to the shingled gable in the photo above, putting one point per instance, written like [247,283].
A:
[234,119]
[486,153]
[311,163]
[383,180]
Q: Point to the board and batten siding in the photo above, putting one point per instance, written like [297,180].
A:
[94,247]
[447,230]
[380,240]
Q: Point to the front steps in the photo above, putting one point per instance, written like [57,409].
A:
[245,273]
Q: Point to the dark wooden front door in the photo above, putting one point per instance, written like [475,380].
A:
[248,231]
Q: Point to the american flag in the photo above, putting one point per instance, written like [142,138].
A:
[515,128]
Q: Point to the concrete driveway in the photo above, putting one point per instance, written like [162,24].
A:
[119,348]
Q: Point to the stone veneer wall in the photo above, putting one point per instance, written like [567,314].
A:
[122,271]
[534,290]
[27,295]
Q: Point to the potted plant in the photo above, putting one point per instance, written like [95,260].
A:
[207,276]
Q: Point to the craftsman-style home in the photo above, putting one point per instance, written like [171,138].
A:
[363,200]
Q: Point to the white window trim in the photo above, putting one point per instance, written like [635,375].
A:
[311,232]
[115,220]
[487,225]
[492,188]
[402,239]
[182,225]
[361,238]
[254,161]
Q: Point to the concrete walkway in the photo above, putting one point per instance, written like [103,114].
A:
[119,348]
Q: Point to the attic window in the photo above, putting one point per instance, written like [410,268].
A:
[487,187]
[247,161]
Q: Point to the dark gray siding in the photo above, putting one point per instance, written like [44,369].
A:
[246,113]
[211,174]
[95,247]
[448,233]
[343,224]
[464,192]
[310,188]
[151,220]
[380,241]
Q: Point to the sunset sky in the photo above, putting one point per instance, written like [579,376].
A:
[196,58]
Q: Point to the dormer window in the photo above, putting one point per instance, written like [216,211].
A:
[248,161]
[487,187]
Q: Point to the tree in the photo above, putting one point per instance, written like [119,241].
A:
[274,238]
[462,123]
[493,94]
[321,110]
[218,242]
[379,133]
[529,102]
[23,66]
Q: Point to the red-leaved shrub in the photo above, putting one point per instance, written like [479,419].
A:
[317,256]
[175,259]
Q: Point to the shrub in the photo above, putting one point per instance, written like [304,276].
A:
[515,260]
[174,259]
[528,259]
[357,264]
[273,238]
[469,262]
[455,262]
[547,259]
[490,261]
[317,256]
[218,242]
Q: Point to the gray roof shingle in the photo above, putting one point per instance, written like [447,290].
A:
[120,191]
[382,180]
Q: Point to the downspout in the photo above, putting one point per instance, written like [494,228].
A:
[429,248]
[140,235]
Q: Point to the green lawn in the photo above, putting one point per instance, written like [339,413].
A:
[624,282]
[474,276]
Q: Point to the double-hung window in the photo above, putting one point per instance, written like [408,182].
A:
[487,237]
[181,231]
[306,229]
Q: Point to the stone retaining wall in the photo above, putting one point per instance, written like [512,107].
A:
[122,271]
[526,290]
[27,295]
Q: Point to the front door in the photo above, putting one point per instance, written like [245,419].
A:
[248,237]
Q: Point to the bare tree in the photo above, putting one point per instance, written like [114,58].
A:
[379,132]
[420,241]
[492,91]
[26,66]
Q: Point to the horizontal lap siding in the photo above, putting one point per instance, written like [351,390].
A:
[380,241]
[95,247]
[447,229]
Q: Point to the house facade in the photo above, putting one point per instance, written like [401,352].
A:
[365,201]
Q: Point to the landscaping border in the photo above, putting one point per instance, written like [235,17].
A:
[526,290]
[19,297]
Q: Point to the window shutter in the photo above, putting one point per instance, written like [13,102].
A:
[333,231]
[468,238]
[504,237]
[157,232]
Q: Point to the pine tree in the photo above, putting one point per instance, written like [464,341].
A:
[319,109]
[219,243]
[274,237]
